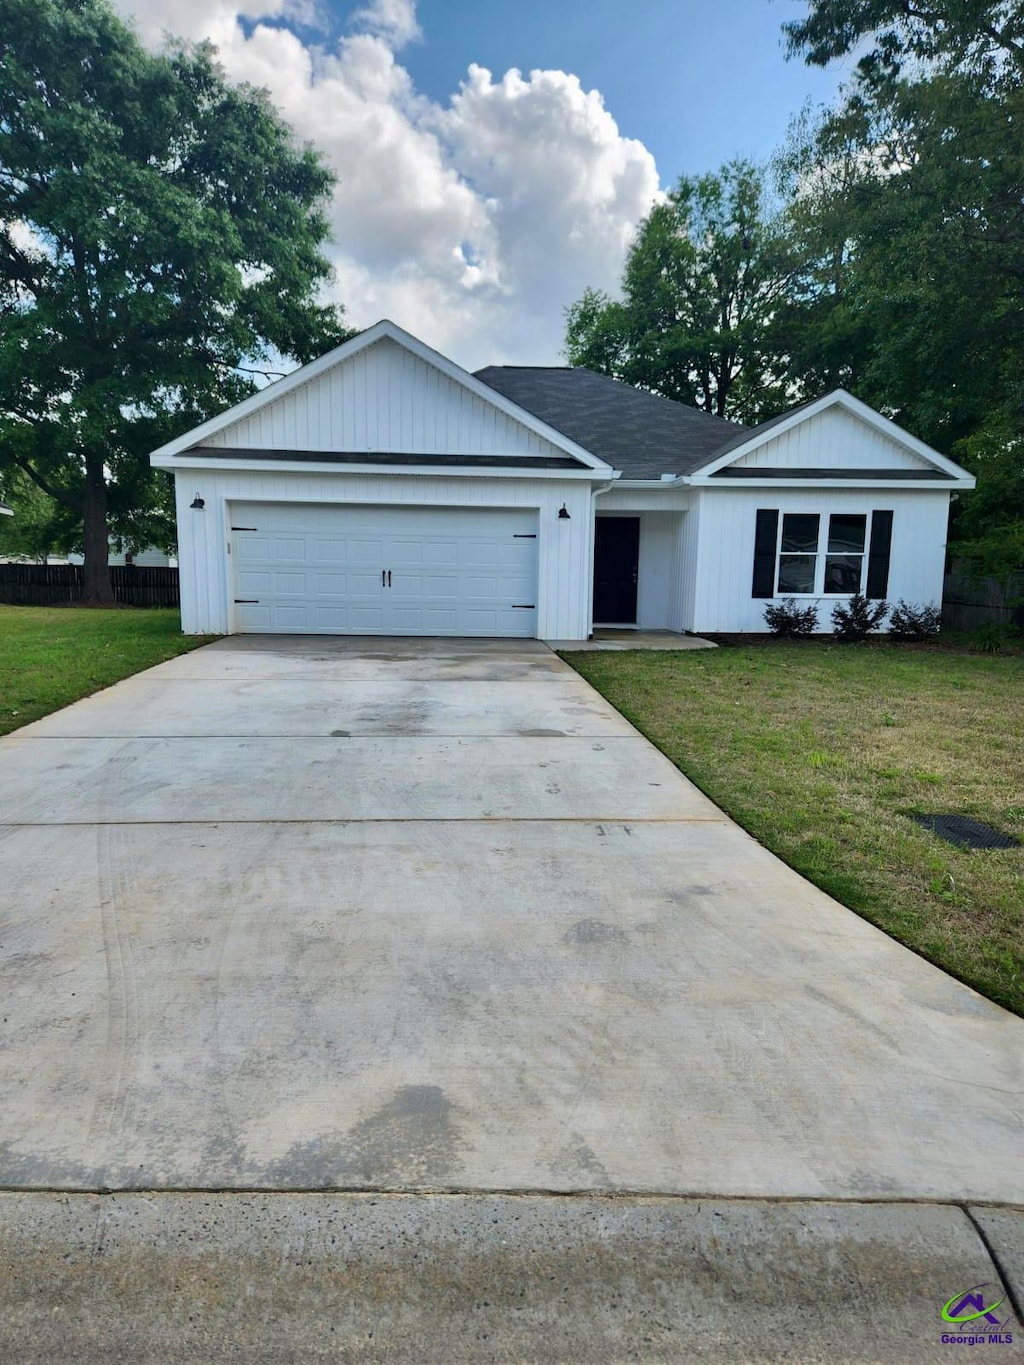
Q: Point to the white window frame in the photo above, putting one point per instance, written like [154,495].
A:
[821,553]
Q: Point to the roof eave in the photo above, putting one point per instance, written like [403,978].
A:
[702,480]
[186,461]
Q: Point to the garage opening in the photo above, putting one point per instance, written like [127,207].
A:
[383,570]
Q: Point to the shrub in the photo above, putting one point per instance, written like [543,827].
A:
[989,637]
[788,621]
[908,622]
[856,619]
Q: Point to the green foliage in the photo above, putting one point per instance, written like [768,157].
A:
[907,209]
[701,286]
[39,526]
[909,622]
[160,241]
[787,620]
[855,619]
[989,638]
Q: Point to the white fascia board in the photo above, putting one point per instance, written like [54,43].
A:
[731,485]
[184,463]
[647,484]
[840,398]
[380,330]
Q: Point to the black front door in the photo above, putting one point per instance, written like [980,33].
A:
[616,559]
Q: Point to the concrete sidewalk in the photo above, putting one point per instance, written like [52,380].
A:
[437,1280]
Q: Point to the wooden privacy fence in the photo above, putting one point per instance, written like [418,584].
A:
[47,585]
[969,602]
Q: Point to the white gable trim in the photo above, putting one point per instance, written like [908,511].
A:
[839,398]
[380,330]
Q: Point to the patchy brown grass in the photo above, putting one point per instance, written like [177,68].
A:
[821,751]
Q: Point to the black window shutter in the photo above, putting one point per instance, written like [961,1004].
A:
[878,554]
[766,537]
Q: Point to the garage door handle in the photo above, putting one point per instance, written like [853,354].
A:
[389,578]
[383,579]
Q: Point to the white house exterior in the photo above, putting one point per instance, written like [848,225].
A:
[383,490]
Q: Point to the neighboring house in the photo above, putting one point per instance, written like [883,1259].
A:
[5,511]
[383,490]
[150,558]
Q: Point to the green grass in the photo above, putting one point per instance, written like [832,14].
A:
[820,751]
[50,656]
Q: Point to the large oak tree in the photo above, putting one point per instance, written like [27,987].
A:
[160,246]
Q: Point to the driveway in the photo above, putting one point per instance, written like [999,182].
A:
[306,913]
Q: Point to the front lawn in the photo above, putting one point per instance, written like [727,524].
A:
[50,656]
[820,751]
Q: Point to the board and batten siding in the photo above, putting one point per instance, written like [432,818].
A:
[384,399]
[833,439]
[565,547]
[718,583]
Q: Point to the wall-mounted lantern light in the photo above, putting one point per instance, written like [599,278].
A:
[563,513]
[197,504]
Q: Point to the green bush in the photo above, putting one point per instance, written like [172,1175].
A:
[909,622]
[788,621]
[858,618]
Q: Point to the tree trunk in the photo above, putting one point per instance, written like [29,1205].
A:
[96,586]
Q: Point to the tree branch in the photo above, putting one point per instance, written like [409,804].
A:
[57,494]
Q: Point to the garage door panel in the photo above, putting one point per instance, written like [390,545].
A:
[441,552]
[439,586]
[288,551]
[289,585]
[253,583]
[453,571]
[368,552]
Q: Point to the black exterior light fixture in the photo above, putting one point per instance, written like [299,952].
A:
[563,513]
[197,504]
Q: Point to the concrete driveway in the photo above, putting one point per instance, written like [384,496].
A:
[373,914]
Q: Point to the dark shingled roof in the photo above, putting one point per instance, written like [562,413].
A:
[638,433]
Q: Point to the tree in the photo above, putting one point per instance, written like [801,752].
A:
[39,526]
[703,281]
[160,248]
[930,209]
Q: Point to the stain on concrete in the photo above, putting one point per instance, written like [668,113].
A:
[341,734]
[832,1002]
[588,931]
[412,1140]
[577,1162]
[414,1137]
[542,734]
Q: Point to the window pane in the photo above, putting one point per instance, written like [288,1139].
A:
[842,573]
[796,573]
[800,533]
[846,535]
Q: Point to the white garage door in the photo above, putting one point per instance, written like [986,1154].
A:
[383,570]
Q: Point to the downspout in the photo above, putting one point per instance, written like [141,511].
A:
[594,494]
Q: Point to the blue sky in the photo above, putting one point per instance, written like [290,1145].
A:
[495,158]
[696,83]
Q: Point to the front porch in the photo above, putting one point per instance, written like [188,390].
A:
[640,568]
[632,639]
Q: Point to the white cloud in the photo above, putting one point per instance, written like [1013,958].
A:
[394,20]
[471,223]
